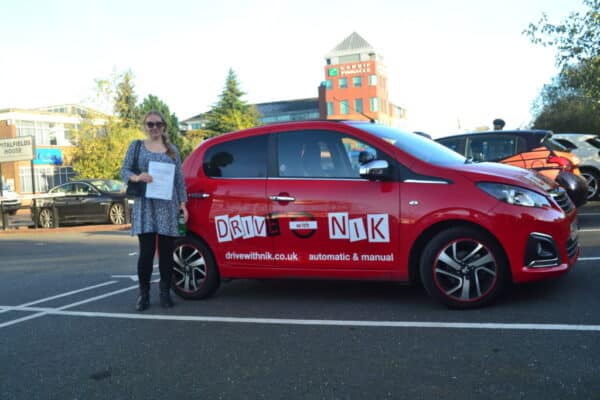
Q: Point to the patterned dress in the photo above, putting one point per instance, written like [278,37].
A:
[155,215]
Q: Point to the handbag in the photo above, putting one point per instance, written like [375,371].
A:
[136,189]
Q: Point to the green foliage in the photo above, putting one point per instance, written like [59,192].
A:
[100,152]
[577,38]
[574,95]
[125,101]
[569,114]
[231,113]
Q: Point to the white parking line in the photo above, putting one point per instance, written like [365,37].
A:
[45,312]
[318,322]
[588,258]
[58,296]
[590,230]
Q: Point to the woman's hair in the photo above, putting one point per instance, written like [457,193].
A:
[164,136]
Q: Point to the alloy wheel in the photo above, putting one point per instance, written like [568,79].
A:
[46,218]
[117,214]
[465,270]
[189,273]
[592,181]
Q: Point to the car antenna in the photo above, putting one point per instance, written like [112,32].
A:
[371,119]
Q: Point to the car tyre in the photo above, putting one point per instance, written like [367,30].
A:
[463,268]
[46,218]
[593,180]
[195,274]
[116,214]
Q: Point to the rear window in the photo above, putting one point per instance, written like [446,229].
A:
[239,158]
[553,144]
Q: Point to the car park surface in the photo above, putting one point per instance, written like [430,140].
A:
[291,200]
[531,149]
[68,330]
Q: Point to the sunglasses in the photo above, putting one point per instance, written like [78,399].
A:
[151,124]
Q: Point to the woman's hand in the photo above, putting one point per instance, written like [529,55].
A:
[143,177]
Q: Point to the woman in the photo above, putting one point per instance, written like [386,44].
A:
[155,220]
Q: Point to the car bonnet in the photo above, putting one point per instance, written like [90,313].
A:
[502,173]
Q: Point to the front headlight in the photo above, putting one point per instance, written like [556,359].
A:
[514,194]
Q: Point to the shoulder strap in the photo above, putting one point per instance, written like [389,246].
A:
[136,155]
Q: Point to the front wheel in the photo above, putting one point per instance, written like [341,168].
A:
[593,180]
[463,268]
[46,218]
[116,214]
[195,274]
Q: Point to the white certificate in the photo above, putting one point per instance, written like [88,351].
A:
[163,176]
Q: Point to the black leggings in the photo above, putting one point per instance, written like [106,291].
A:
[166,246]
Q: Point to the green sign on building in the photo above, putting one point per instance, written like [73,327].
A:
[333,72]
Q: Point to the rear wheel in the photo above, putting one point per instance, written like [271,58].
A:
[46,218]
[463,268]
[593,181]
[195,275]
[116,214]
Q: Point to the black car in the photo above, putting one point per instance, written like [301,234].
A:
[530,149]
[83,201]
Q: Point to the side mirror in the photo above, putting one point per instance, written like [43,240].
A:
[376,169]
[365,157]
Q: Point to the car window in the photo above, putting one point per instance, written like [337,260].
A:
[493,147]
[453,144]
[594,142]
[553,144]
[321,154]
[63,189]
[82,188]
[569,145]
[240,158]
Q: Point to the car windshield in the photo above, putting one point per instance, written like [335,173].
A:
[418,146]
[109,185]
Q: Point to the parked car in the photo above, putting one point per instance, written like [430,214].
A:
[83,201]
[530,149]
[10,200]
[586,147]
[292,201]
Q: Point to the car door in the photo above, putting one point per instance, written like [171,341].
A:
[92,205]
[64,198]
[227,202]
[326,219]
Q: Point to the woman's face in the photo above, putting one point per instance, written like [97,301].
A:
[154,126]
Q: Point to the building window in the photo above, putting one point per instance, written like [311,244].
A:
[357,81]
[344,109]
[343,83]
[358,105]
[327,83]
[372,80]
[330,108]
[374,104]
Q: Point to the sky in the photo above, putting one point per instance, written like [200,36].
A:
[454,65]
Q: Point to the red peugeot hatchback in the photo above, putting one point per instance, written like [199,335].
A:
[357,200]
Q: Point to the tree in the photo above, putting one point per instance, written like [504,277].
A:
[575,92]
[577,38]
[100,151]
[231,113]
[125,101]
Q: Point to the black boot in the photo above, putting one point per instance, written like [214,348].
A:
[143,300]
[165,295]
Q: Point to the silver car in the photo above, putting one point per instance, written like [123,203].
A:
[586,146]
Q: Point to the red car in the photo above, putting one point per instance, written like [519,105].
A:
[294,200]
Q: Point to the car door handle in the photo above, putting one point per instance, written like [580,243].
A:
[282,198]
[199,195]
